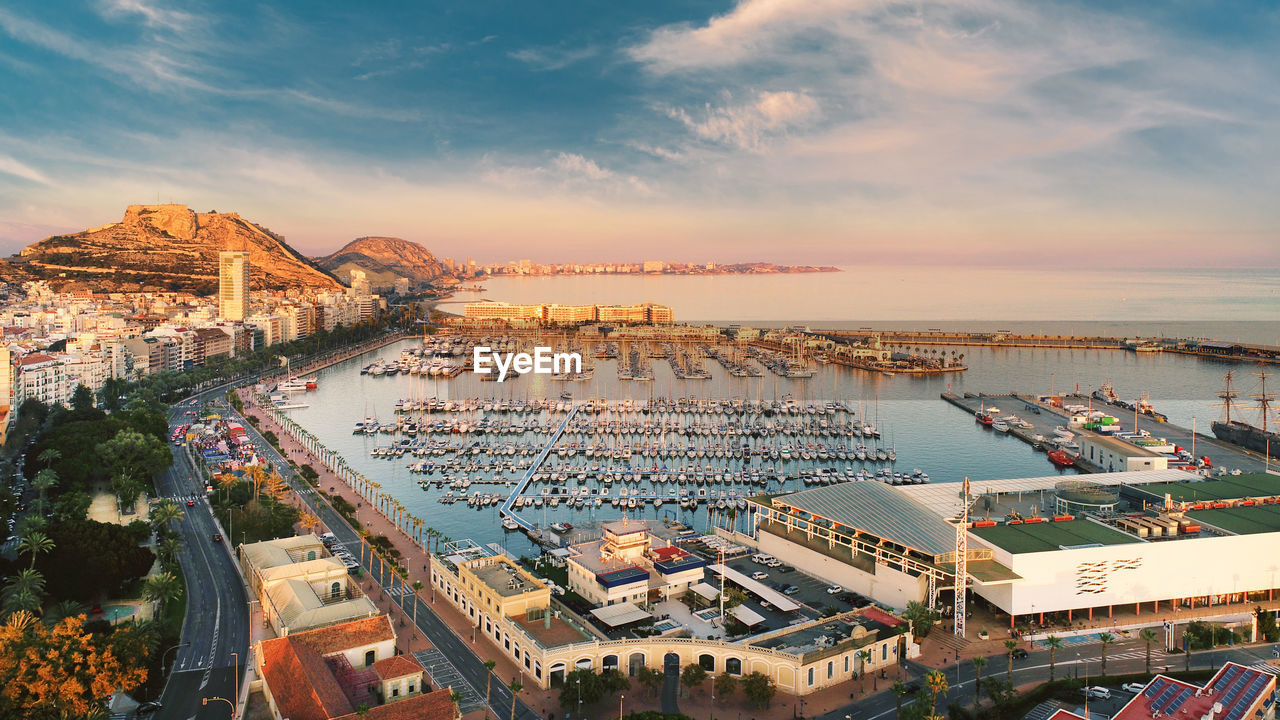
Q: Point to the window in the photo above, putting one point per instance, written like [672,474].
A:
[395,691]
[410,687]
[707,662]
[311,554]
[733,666]
[831,669]
[370,657]
[846,663]
[884,653]
[335,590]
[810,676]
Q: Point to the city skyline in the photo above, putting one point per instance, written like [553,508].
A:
[981,133]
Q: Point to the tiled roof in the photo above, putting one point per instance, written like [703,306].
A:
[300,682]
[436,705]
[396,666]
[33,358]
[357,633]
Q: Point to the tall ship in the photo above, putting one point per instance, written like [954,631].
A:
[1261,438]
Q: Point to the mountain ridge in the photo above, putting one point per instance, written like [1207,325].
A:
[384,259]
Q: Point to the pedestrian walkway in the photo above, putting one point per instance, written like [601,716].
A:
[445,675]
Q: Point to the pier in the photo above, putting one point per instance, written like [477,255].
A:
[505,510]
[1048,417]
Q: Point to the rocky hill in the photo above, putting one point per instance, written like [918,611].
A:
[384,259]
[169,247]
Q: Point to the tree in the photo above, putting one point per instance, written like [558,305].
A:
[693,676]
[515,687]
[62,610]
[1009,647]
[1186,643]
[1106,639]
[864,657]
[36,543]
[1148,636]
[582,686]
[48,456]
[979,662]
[920,617]
[130,454]
[92,560]
[24,592]
[45,481]
[651,680]
[758,689]
[899,689]
[64,671]
[936,682]
[725,685]
[164,512]
[489,665]
[1053,642]
[169,549]
[161,588]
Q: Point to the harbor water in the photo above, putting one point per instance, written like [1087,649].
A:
[925,432]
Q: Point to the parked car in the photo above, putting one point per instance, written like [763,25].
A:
[1098,693]
[759,575]
[784,568]
[1020,654]
[835,590]
[1134,688]
[791,590]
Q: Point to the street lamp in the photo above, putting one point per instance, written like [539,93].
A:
[579,682]
[166,653]
[205,701]
[620,699]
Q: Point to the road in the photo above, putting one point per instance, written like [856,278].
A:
[457,650]
[217,617]
[1071,661]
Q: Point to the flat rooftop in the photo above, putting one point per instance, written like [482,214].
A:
[1046,536]
[557,633]
[945,498]
[1240,690]
[1241,520]
[499,577]
[878,509]
[1118,445]
[1226,487]
[868,625]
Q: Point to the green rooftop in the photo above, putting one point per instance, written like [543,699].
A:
[1046,536]
[1241,520]
[1227,487]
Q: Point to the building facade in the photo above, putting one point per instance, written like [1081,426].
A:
[233,285]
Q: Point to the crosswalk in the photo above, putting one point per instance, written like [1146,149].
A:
[444,674]
[1262,666]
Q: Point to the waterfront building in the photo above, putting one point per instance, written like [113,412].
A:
[1111,454]
[513,610]
[555,314]
[630,565]
[233,285]
[347,671]
[1141,540]
[300,585]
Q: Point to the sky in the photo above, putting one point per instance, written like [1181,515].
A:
[956,132]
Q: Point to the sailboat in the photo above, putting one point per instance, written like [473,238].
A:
[1263,438]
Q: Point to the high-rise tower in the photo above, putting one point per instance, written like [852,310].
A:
[233,285]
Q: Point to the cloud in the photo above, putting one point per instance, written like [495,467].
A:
[750,126]
[10,166]
[552,58]
[152,15]
[566,173]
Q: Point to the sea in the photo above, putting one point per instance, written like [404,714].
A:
[926,432]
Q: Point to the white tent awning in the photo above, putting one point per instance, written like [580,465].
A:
[620,614]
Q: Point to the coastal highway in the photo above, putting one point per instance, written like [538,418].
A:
[217,617]
[457,650]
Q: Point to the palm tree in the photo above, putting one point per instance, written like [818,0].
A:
[62,610]
[1106,639]
[864,656]
[162,588]
[1053,642]
[937,684]
[899,689]
[164,512]
[35,542]
[44,481]
[169,548]
[489,665]
[1010,646]
[1148,636]
[1186,643]
[516,686]
[978,663]
[49,456]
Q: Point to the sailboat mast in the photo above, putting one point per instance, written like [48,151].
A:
[1264,399]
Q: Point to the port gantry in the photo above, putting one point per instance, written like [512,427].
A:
[505,511]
